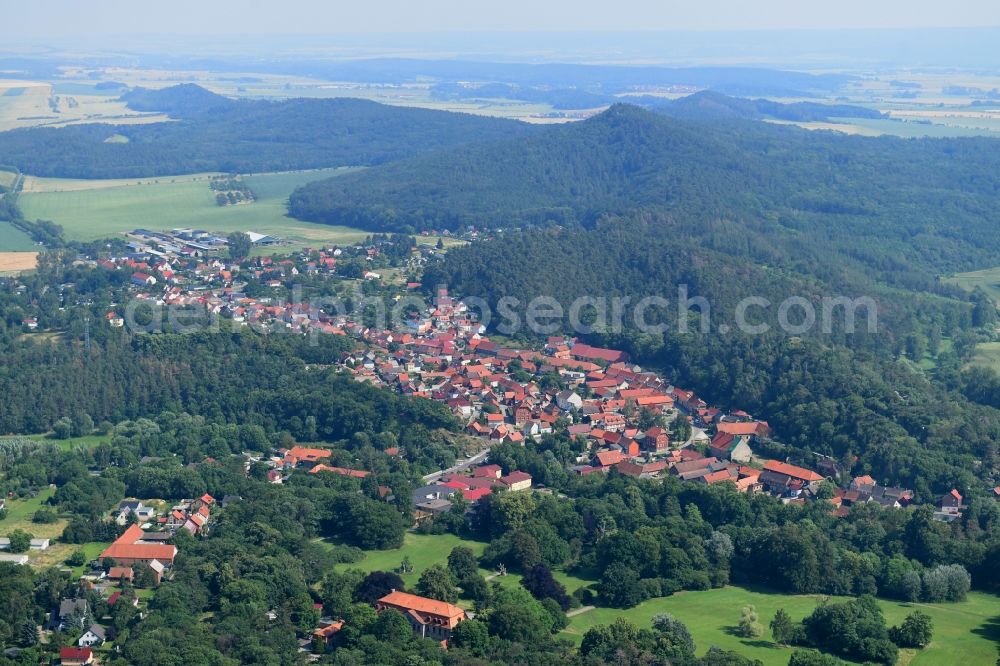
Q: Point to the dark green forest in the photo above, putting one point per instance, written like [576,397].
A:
[900,207]
[213,133]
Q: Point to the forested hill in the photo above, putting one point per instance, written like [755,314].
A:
[886,201]
[216,134]
[187,99]
[708,105]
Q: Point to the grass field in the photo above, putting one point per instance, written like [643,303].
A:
[988,280]
[967,633]
[427,550]
[19,513]
[87,441]
[13,239]
[423,550]
[964,633]
[93,209]
[7,178]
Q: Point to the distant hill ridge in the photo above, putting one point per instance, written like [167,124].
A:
[213,133]
[181,101]
[931,198]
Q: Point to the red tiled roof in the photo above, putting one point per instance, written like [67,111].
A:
[343,471]
[515,477]
[475,494]
[718,477]
[298,454]
[329,630]
[422,604]
[586,351]
[609,458]
[75,653]
[743,428]
[792,471]
[125,547]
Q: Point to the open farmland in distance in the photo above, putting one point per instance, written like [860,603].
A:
[93,209]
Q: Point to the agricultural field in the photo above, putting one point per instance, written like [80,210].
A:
[902,126]
[14,240]
[964,633]
[41,103]
[94,209]
[7,178]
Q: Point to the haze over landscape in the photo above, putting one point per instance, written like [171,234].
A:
[456,334]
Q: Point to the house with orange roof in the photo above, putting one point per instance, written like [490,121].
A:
[343,471]
[328,634]
[721,476]
[649,470]
[129,549]
[516,481]
[608,459]
[726,446]
[302,455]
[429,618]
[865,482]
[752,428]
[778,477]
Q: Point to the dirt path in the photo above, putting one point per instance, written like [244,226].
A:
[580,611]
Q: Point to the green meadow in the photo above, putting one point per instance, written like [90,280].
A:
[13,239]
[425,550]
[73,443]
[988,280]
[19,513]
[964,633]
[7,178]
[90,210]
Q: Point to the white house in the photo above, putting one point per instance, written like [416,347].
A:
[93,636]
[568,400]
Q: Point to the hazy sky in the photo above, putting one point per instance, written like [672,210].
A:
[43,19]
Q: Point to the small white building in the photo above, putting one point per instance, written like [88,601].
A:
[36,544]
[14,559]
[95,635]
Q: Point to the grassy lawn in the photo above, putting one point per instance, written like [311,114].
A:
[13,239]
[19,513]
[448,241]
[87,441]
[426,550]
[988,280]
[964,633]
[93,209]
[57,554]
